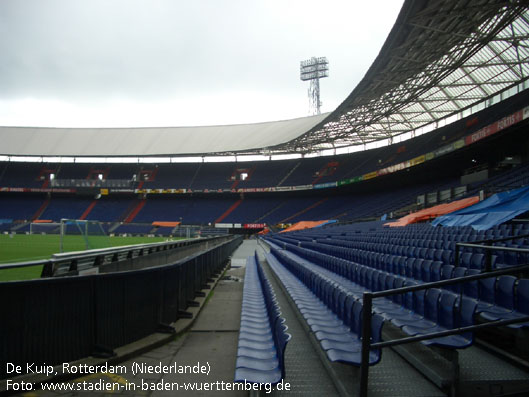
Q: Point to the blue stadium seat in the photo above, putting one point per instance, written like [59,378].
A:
[425,271]
[464,259]
[471,288]
[477,261]
[446,272]
[435,271]
[486,294]
[262,333]
[417,268]
[459,271]
[336,335]
[521,304]
[503,300]
[431,314]
[410,264]
[447,257]
[351,352]
[401,266]
[414,305]
[463,317]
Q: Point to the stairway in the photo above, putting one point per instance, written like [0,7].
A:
[88,210]
[228,211]
[42,208]
[289,173]
[304,210]
[130,217]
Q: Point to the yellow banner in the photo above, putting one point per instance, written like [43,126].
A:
[370,175]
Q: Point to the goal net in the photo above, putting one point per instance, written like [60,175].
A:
[87,233]
[44,228]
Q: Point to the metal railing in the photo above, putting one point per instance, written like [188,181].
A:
[367,314]
[70,263]
[62,319]
[486,244]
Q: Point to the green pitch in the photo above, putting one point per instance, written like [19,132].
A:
[29,247]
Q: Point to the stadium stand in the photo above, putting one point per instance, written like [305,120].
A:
[110,209]
[64,207]
[340,263]
[459,292]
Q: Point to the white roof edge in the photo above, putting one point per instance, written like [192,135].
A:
[151,141]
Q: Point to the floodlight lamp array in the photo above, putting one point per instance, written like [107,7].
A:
[314,68]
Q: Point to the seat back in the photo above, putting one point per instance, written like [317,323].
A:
[348,311]
[477,261]
[431,304]
[505,292]
[471,288]
[417,266]
[464,259]
[446,310]
[465,316]
[418,302]
[522,296]
[446,272]
[356,325]
[281,339]
[435,271]
[459,271]
[377,322]
[487,289]
[410,264]
[425,271]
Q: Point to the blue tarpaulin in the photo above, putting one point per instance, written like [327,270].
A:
[497,209]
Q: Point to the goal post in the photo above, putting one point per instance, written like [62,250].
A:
[44,228]
[91,232]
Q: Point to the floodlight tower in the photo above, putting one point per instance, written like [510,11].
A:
[314,69]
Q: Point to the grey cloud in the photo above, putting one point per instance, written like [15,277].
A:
[80,50]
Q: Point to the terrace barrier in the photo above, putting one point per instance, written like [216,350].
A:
[61,319]
[129,257]
[367,314]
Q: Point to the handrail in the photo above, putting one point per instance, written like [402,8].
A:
[88,255]
[111,309]
[24,264]
[455,331]
[367,314]
[499,240]
[489,248]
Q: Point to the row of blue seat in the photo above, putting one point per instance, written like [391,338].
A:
[430,237]
[436,240]
[262,334]
[469,257]
[420,312]
[332,313]
[472,260]
[505,297]
[377,231]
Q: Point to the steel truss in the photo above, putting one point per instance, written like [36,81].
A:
[441,58]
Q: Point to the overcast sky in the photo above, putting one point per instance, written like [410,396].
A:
[126,63]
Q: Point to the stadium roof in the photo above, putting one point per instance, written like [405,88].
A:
[123,142]
[441,58]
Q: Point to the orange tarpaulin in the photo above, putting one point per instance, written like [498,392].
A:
[303,225]
[434,212]
[165,224]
